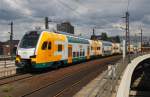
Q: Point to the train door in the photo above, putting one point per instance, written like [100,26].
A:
[42,54]
[88,52]
[69,53]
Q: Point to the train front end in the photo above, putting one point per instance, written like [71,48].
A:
[26,49]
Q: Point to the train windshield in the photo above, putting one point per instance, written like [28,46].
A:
[29,40]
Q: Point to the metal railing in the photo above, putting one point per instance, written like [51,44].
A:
[111,78]
[5,72]
[7,66]
[6,61]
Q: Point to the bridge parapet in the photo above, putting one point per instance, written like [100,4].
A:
[115,81]
[124,87]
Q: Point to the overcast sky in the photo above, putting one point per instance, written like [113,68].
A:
[83,14]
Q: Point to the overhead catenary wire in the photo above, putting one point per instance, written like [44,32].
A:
[128,5]
[74,11]
[70,8]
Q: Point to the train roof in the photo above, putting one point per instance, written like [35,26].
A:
[71,38]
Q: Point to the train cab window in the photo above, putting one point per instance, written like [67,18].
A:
[30,39]
[44,45]
[49,45]
[59,47]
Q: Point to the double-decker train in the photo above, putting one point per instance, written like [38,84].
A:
[43,49]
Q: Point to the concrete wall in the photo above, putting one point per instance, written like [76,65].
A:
[124,87]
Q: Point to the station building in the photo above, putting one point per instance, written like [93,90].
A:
[5,47]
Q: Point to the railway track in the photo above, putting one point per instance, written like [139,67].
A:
[66,81]
[13,78]
[75,76]
[55,82]
[64,92]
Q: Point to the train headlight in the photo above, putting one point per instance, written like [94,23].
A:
[16,62]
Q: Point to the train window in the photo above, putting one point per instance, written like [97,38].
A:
[99,48]
[77,54]
[59,47]
[49,45]
[74,54]
[80,53]
[44,45]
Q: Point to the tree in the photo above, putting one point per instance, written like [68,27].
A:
[117,39]
[104,36]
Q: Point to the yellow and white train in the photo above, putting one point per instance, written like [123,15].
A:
[43,49]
